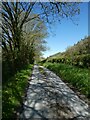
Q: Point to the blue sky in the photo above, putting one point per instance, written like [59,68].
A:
[67,33]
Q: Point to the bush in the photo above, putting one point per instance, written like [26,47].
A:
[77,60]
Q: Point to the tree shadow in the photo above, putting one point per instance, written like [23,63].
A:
[49,98]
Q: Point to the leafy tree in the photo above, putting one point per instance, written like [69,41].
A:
[34,33]
[15,15]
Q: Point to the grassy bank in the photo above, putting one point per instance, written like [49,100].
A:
[13,92]
[77,77]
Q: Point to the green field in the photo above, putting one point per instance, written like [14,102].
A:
[13,92]
[78,77]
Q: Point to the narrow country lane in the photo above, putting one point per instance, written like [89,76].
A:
[50,98]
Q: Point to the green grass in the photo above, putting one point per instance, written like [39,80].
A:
[42,71]
[13,92]
[78,77]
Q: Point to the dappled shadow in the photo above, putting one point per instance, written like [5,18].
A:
[49,98]
[76,104]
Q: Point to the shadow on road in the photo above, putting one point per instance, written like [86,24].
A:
[49,98]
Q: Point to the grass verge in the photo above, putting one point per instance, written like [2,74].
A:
[77,77]
[13,92]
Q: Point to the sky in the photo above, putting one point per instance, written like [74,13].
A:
[68,33]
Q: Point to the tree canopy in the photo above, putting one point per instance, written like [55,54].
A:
[24,29]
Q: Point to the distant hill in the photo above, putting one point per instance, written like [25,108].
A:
[55,55]
[82,47]
[78,54]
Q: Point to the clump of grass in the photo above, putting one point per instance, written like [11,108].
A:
[13,91]
[42,71]
[78,77]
